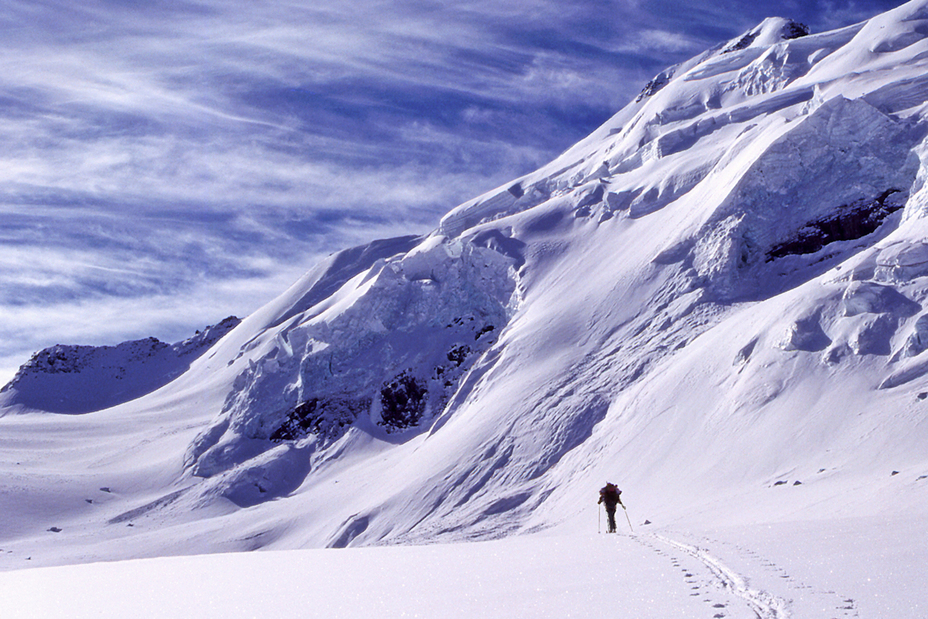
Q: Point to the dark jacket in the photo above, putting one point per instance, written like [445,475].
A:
[610,496]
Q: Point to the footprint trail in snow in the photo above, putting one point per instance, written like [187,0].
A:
[708,576]
[765,605]
[732,593]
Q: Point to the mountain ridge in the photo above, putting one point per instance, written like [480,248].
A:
[142,366]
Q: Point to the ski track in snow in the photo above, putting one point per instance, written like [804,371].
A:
[763,604]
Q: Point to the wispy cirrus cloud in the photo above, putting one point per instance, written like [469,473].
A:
[167,163]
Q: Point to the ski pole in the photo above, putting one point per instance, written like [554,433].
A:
[624,509]
[599,521]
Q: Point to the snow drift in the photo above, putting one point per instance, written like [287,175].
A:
[719,291]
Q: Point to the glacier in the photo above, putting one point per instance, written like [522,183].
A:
[717,299]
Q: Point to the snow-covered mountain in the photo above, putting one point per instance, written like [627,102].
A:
[83,379]
[717,299]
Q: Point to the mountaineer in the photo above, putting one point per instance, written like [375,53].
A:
[610,496]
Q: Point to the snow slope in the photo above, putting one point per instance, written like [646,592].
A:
[716,300]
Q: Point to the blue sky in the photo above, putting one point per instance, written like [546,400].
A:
[170,162]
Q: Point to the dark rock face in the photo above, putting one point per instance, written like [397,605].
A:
[484,331]
[742,43]
[654,86]
[326,419]
[792,30]
[795,30]
[851,222]
[458,355]
[402,401]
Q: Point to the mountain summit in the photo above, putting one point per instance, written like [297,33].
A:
[722,289]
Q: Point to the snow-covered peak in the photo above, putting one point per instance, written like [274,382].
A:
[690,116]
[769,32]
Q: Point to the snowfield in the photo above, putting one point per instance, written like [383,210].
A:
[785,570]
[718,300]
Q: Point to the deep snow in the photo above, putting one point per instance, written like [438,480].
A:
[716,300]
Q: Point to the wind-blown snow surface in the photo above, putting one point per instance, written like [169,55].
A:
[717,300]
